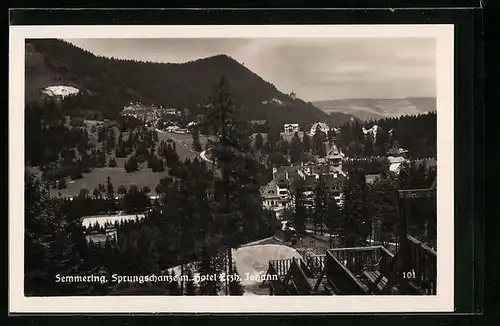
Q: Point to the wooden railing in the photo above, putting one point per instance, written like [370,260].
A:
[344,280]
[275,285]
[297,277]
[358,259]
[423,261]
[281,266]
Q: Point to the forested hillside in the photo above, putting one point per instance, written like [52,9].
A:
[108,84]
[415,133]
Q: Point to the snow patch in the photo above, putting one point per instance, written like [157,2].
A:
[60,90]
[274,101]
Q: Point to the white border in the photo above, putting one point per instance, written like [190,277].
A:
[442,302]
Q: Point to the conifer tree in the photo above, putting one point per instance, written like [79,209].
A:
[190,288]
[173,286]
[300,215]
[112,162]
[235,287]
[319,205]
[259,141]
[296,149]
[131,164]
[196,141]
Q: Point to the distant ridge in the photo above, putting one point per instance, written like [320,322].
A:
[377,108]
[108,84]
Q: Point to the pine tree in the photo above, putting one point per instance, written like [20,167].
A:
[319,205]
[131,164]
[306,143]
[333,217]
[122,190]
[319,142]
[207,267]
[196,141]
[61,184]
[300,215]
[51,247]
[368,148]
[112,162]
[356,210]
[296,150]
[173,286]
[235,287]
[384,205]
[227,154]
[190,288]
[259,141]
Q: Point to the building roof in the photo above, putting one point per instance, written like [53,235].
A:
[396,159]
[269,189]
[395,151]
[323,126]
[282,171]
[331,181]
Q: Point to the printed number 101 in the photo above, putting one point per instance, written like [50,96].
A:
[409,275]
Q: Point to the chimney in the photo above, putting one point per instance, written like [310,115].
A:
[286,175]
[275,170]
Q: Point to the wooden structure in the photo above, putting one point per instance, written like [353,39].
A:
[363,270]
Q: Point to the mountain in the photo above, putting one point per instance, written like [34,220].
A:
[107,84]
[369,108]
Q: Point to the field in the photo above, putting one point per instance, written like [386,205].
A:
[141,178]
[184,144]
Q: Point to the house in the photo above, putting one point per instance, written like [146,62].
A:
[271,199]
[171,111]
[323,127]
[333,182]
[276,194]
[291,127]
[395,163]
[172,128]
[333,176]
[334,156]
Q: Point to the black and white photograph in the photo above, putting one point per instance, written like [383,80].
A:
[195,163]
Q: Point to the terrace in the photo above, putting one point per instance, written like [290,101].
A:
[363,270]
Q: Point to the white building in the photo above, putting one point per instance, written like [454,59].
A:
[335,156]
[291,127]
[397,157]
[395,163]
[321,125]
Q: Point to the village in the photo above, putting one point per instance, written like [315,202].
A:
[194,174]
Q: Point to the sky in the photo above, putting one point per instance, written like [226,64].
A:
[315,69]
